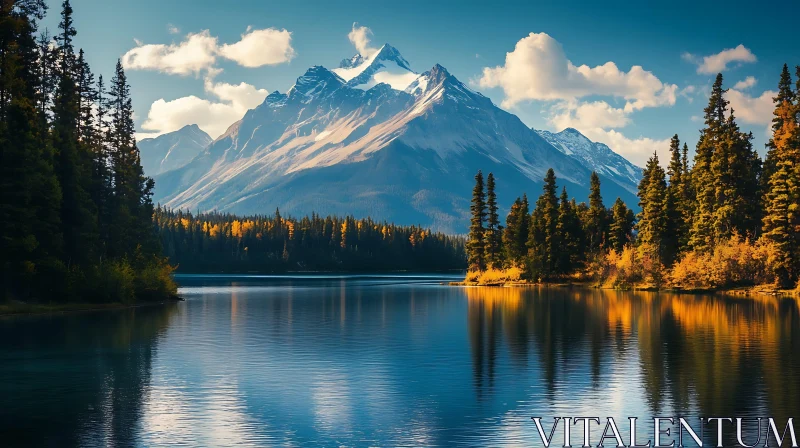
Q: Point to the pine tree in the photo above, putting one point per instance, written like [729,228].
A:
[653,217]
[133,207]
[492,232]
[73,159]
[782,123]
[621,225]
[677,210]
[597,226]
[543,241]
[570,237]
[475,245]
[29,193]
[702,235]
[781,219]
[515,234]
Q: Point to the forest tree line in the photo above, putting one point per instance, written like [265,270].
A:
[76,210]
[217,242]
[729,219]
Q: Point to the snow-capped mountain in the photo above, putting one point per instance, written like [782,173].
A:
[596,156]
[387,66]
[335,143]
[172,150]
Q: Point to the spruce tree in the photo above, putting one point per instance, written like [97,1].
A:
[475,245]
[677,209]
[515,234]
[492,235]
[543,241]
[702,235]
[621,226]
[570,252]
[781,219]
[782,123]
[131,227]
[652,222]
[73,158]
[597,226]
[29,193]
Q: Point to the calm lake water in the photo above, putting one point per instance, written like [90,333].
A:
[387,361]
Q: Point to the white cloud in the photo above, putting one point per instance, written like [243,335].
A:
[359,36]
[214,117]
[172,29]
[637,150]
[598,114]
[752,110]
[538,69]
[746,83]
[717,63]
[260,47]
[597,120]
[688,92]
[199,52]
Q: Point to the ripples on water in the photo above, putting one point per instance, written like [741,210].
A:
[387,361]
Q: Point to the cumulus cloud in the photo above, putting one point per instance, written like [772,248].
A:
[637,150]
[199,52]
[172,29]
[359,36]
[538,69]
[599,122]
[688,92]
[745,83]
[598,114]
[749,109]
[260,47]
[717,63]
[214,117]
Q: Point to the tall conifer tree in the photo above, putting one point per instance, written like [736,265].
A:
[492,235]
[475,245]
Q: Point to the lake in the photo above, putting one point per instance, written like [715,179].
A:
[390,360]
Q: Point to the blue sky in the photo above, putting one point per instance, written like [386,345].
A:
[208,61]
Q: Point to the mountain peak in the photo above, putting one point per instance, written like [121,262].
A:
[386,65]
[390,53]
[189,127]
[438,73]
[314,81]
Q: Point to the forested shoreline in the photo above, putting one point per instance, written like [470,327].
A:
[76,210]
[729,220]
[217,242]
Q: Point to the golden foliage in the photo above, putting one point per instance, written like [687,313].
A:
[734,262]
[494,276]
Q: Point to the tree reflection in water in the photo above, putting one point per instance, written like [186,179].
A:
[712,354]
[77,380]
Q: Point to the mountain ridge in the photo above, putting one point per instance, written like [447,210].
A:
[172,150]
[407,154]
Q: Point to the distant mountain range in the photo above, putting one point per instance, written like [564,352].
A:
[373,137]
[173,150]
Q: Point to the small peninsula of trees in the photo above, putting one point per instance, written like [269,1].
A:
[729,219]
[215,242]
[76,210]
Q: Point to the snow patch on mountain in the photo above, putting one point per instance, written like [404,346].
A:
[386,66]
[595,156]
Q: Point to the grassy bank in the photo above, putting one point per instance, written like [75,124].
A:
[769,290]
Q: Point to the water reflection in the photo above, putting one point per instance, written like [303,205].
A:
[77,380]
[384,361]
[696,355]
